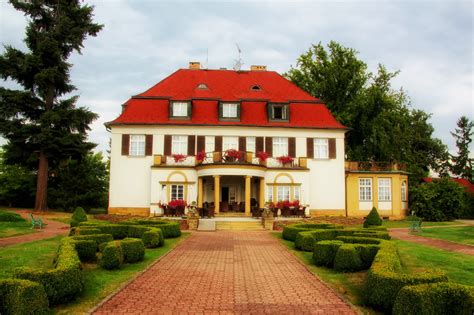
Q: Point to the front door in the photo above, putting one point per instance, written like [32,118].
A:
[225,199]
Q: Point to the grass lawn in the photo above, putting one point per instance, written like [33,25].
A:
[8,229]
[464,235]
[99,283]
[37,254]
[416,257]
[406,224]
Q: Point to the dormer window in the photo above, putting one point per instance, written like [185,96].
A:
[255,88]
[278,112]
[202,86]
[180,110]
[229,111]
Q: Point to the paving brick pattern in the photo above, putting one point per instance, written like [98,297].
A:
[227,272]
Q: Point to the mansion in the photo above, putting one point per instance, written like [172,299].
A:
[234,140]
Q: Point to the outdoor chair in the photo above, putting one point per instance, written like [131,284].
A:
[36,222]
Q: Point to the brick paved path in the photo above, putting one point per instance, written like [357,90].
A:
[227,273]
[404,235]
[52,229]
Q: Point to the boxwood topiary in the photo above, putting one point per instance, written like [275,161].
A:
[153,238]
[290,231]
[347,258]
[112,256]
[98,238]
[170,229]
[7,216]
[325,251]
[133,249]
[78,216]
[435,299]
[373,218]
[22,297]
[86,249]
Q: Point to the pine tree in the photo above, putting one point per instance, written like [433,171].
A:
[41,128]
[462,164]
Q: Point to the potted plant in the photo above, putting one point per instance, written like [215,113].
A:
[233,155]
[262,157]
[178,157]
[285,160]
[200,156]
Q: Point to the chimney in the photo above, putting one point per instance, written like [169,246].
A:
[258,68]
[194,65]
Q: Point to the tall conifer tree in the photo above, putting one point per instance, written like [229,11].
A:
[462,164]
[42,128]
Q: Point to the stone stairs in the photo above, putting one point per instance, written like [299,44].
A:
[254,225]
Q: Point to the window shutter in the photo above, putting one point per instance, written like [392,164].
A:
[201,143]
[242,144]
[310,148]
[218,143]
[125,144]
[292,147]
[167,147]
[239,105]
[190,109]
[148,145]
[191,145]
[269,112]
[259,144]
[269,146]
[332,148]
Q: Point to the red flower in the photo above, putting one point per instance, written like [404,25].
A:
[177,203]
[178,157]
[284,204]
[262,156]
[233,153]
[296,203]
[285,159]
[200,156]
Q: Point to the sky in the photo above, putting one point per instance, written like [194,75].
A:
[143,41]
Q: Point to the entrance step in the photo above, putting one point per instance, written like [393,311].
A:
[231,215]
[207,225]
[254,225]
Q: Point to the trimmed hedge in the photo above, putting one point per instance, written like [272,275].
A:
[385,278]
[78,216]
[86,231]
[98,238]
[65,281]
[290,231]
[133,249]
[7,216]
[22,297]
[325,252]
[373,219]
[112,256]
[347,258]
[435,299]
[170,229]
[86,249]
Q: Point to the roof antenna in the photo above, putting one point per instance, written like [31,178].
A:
[238,62]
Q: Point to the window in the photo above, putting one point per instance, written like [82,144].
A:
[177,192]
[321,148]
[230,143]
[297,193]
[278,112]
[202,86]
[137,145]
[210,144]
[229,110]
[255,88]
[270,193]
[404,191]
[250,144]
[280,146]
[179,109]
[283,193]
[385,189]
[365,189]
[179,145]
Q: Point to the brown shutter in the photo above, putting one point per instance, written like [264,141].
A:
[167,147]
[332,148]
[310,148]
[269,146]
[259,144]
[125,144]
[201,143]
[242,144]
[292,147]
[191,145]
[218,143]
[148,145]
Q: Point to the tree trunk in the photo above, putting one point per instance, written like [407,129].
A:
[42,183]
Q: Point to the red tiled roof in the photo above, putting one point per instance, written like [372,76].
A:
[461,181]
[152,106]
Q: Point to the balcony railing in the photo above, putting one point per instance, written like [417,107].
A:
[375,166]
[225,157]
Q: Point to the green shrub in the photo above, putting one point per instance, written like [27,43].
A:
[7,216]
[65,281]
[22,297]
[290,231]
[347,258]
[373,218]
[435,299]
[153,238]
[98,238]
[439,200]
[85,231]
[375,234]
[325,251]
[97,211]
[385,278]
[133,249]
[86,249]
[169,229]
[78,216]
[112,256]
[358,240]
